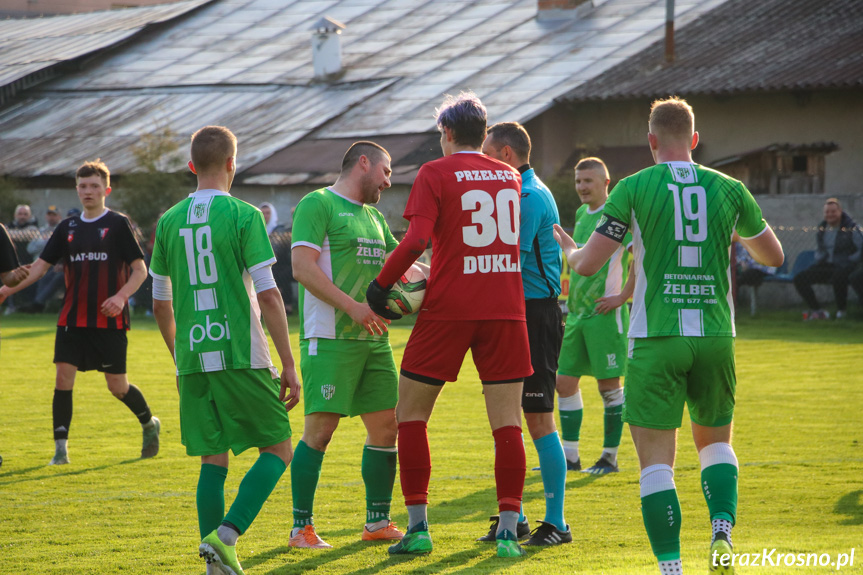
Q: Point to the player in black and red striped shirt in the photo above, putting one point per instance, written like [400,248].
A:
[104,266]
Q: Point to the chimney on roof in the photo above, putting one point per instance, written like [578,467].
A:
[327,47]
[561,9]
[669,31]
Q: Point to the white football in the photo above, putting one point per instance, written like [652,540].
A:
[406,296]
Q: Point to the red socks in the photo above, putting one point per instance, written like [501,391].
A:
[415,462]
[509,467]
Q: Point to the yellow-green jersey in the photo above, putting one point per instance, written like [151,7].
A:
[207,245]
[353,239]
[682,217]
[585,290]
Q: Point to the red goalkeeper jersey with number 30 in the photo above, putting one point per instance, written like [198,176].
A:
[475,270]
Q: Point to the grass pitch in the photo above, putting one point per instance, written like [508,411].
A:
[798,436]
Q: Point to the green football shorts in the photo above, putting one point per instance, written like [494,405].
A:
[348,376]
[595,345]
[231,409]
[663,373]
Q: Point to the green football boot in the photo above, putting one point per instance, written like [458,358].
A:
[416,541]
[507,545]
[720,556]
[224,556]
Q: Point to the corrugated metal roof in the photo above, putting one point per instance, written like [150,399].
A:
[417,49]
[51,133]
[30,45]
[746,46]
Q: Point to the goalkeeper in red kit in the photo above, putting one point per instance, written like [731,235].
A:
[467,205]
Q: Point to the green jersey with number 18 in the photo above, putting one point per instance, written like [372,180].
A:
[682,217]
[208,244]
[353,239]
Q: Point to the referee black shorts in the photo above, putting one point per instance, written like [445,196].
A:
[89,348]
[544,334]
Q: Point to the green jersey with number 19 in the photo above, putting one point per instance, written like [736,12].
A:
[207,245]
[585,290]
[682,217]
[353,239]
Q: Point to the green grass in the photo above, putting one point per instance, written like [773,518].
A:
[798,436]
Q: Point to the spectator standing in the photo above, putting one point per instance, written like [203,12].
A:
[280,239]
[53,279]
[23,219]
[23,228]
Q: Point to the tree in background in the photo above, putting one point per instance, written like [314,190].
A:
[159,182]
[562,187]
[9,198]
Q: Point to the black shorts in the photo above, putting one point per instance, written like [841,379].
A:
[90,348]
[544,334]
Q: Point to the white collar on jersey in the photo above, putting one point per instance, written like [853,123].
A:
[206,193]
[599,209]
[90,220]
[347,199]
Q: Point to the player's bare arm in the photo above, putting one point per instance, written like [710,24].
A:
[113,306]
[273,311]
[765,248]
[36,270]
[309,273]
[163,311]
[13,277]
[612,302]
[589,259]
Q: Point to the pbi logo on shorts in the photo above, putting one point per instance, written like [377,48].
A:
[612,359]
[328,391]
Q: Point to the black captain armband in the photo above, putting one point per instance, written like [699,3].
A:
[612,228]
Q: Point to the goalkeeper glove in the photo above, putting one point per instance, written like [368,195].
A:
[376,296]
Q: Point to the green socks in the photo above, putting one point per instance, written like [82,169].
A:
[305,473]
[571,412]
[379,475]
[210,497]
[254,490]
[660,510]
[613,402]
[719,480]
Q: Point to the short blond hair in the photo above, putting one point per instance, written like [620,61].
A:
[211,147]
[593,164]
[671,118]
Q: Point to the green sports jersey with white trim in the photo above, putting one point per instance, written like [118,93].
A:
[682,217]
[585,290]
[207,245]
[353,239]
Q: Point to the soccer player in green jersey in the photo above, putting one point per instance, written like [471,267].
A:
[683,218]
[594,342]
[212,281]
[339,245]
